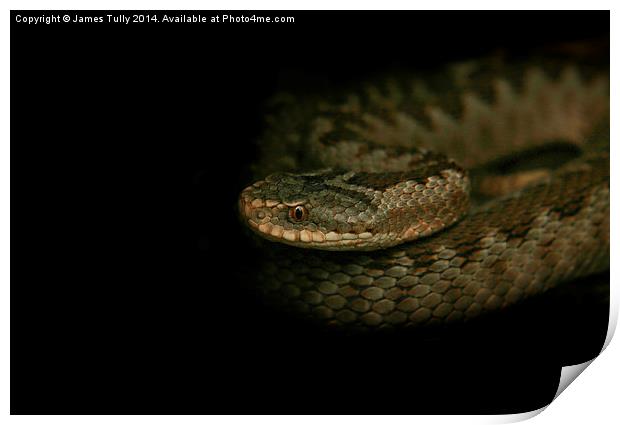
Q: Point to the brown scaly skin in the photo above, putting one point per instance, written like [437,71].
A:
[554,230]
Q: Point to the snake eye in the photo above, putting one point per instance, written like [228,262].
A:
[298,213]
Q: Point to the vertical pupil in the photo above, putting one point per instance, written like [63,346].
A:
[298,213]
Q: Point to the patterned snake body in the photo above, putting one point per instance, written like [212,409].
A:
[413,250]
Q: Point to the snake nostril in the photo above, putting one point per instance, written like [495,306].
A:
[260,214]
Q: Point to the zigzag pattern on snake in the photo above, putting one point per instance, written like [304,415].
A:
[372,190]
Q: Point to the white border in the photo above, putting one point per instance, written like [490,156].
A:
[593,399]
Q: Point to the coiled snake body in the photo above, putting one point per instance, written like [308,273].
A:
[378,214]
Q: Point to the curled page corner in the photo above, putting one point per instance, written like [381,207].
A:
[569,374]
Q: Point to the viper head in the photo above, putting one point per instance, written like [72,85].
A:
[334,210]
[314,210]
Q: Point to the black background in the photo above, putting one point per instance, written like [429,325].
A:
[130,144]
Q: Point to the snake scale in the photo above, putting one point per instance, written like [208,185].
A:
[363,202]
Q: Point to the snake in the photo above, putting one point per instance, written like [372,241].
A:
[422,199]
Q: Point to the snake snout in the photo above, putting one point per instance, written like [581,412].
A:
[254,210]
[249,206]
